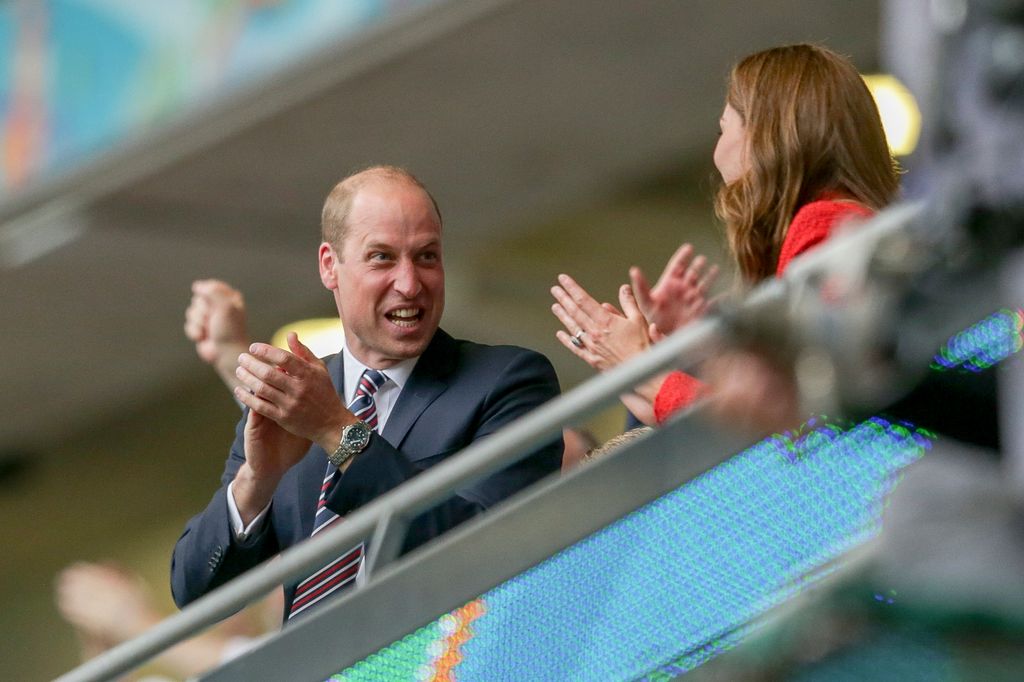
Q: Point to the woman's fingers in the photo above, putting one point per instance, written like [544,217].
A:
[708,279]
[583,300]
[580,351]
[641,288]
[629,303]
[693,272]
[571,318]
[676,265]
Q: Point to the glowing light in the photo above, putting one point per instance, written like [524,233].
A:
[901,117]
[322,335]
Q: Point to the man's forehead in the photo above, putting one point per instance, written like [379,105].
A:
[387,239]
[381,197]
[384,219]
[423,227]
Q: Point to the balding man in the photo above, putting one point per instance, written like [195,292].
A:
[319,439]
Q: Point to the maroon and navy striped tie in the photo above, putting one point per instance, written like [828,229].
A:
[342,571]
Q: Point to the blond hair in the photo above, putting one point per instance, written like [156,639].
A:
[617,442]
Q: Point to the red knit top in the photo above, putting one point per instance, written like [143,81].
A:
[811,225]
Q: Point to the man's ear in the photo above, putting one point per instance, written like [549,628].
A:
[328,258]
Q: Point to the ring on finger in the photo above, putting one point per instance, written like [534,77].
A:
[577,339]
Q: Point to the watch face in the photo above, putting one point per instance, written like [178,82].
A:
[357,435]
[354,439]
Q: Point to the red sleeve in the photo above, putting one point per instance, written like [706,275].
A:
[813,224]
[679,390]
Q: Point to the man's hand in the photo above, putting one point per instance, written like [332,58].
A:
[215,322]
[680,295]
[106,604]
[270,451]
[294,391]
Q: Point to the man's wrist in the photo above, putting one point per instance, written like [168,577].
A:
[227,356]
[331,436]
[252,492]
[354,439]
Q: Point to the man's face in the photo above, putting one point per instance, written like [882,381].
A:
[388,279]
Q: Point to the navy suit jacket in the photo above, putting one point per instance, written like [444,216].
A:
[458,392]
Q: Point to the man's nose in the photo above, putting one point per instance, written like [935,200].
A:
[407,281]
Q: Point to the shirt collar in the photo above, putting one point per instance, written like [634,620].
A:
[398,373]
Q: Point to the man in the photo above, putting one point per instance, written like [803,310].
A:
[302,459]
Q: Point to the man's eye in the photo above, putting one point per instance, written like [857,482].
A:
[429,257]
[379,256]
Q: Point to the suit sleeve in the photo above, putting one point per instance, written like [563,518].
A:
[207,554]
[520,385]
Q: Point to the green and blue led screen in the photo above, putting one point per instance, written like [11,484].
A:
[683,578]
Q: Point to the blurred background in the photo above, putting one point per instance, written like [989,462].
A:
[148,144]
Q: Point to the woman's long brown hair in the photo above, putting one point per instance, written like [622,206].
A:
[812,128]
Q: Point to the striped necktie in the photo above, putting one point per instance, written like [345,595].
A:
[342,571]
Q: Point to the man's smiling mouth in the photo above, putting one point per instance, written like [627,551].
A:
[405,317]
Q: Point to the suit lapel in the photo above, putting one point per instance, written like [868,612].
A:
[427,381]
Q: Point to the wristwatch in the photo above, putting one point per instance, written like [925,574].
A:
[354,439]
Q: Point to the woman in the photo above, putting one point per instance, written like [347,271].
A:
[801,149]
